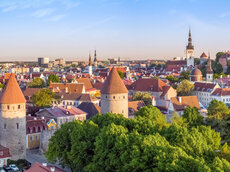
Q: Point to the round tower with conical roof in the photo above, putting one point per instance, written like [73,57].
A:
[13,119]
[114,95]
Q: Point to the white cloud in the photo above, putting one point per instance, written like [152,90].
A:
[57,17]
[43,12]
[224,15]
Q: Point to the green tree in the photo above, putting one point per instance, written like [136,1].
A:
[44,97]
[145,96]
[184,75]
[53,78]
[197,61]
[37,83]
[60,146]
[185,88]
[218,109]
[121,74]
[172,79]
[2,85]
[110,142]
[192,117]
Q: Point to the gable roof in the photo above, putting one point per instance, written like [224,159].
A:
[203,86]
[148,84]
[86,82]
[72,87]
[136,105]
[12,93]
[113,84]
[221,92]
[186,101]
[90,108]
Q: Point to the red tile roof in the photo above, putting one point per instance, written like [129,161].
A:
[203,55]
[203,86]
[186,101]
[71,87]
[37,167]
[221,92]
[12,93]
[148,84]
[113,84]
[86,82]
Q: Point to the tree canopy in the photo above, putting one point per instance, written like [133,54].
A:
[145,96]
[53,78]
[121,74]
[37,83]
[185,88]
[44,97]
[184,75]
[110,142]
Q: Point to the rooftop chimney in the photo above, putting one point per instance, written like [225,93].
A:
[44,164]
[52,169]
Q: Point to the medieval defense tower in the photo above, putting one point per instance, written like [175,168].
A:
[114,95]
[13,119]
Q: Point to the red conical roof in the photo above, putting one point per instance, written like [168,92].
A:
[12,93]
[203,55]
[114,84]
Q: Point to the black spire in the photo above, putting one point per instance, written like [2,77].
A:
[190,46]
[95,56]
[209,65]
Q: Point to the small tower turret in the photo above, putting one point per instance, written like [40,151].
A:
[209,71]
[114,95]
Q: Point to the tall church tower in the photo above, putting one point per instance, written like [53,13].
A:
[95,59]
[114,95]
[13,119]
[189,47]
[90,66]
[209,71]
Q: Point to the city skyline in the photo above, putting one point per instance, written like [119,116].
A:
[135,29]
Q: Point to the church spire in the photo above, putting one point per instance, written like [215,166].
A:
[209,65]
[95,56]
[90,60]
[190,46]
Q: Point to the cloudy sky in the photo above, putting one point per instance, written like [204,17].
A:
[130,29]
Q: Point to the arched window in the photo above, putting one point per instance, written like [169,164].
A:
[39,129]
[34,130]
[28,130]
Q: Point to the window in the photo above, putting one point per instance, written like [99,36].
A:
[4,126]
[113,97]
[66,120]
[8,107]
[19,106]
[124,97]
[31,138]
[17,125]
[36,137]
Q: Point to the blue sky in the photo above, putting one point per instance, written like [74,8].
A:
[130,29]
